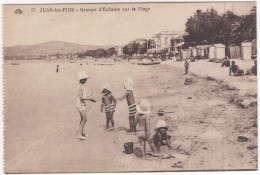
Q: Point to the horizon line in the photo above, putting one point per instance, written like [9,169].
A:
[63,42]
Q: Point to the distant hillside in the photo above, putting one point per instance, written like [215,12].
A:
[51,47]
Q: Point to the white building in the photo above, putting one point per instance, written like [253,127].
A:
[119,50]
[166,41]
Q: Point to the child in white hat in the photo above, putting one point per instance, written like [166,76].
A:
[109,103]
[80,103]
[129,95]
[143,132]
[160,137]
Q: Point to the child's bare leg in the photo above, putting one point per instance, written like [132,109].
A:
[159,141]
[81,119]
[111,118]
[83,122]
[131,121]
[134,124]
[107,115]
[142,143]
[169,142]
[153,147]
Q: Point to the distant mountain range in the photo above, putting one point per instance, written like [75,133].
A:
[49,48]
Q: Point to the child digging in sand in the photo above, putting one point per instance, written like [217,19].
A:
[81,104]
[160,137]
[109,103]
[143,133]
[128,85]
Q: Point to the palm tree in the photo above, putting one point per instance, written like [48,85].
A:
[245,27]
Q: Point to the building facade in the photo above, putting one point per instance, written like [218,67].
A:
[119,50]
[166,42]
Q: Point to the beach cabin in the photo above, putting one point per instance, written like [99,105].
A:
[199,51]
[234,51]
[219,51]
[193,52]
[246,50]
[254,47]
[185,54]
[211,51]
[205,53]
[188,53]
[202,51]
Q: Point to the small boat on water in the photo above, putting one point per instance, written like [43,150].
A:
[17,64]
[106,64]
[147,63]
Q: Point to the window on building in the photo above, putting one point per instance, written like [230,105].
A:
[178,40]
[166,40]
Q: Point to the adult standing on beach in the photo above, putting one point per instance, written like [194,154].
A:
[57,70]
[186,65]
[254,68]
[81,104]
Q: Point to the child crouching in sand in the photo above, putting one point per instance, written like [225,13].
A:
[160,137]
[81,104]
[109,103]
[143,132]
[128,85]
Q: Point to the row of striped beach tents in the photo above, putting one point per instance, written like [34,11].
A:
[246,50]
[204,51]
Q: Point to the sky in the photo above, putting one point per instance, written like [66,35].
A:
[103,27]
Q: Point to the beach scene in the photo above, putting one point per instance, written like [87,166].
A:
[200,93]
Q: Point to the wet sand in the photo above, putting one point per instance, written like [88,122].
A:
[41,119]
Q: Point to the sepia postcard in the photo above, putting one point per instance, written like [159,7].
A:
[130,87]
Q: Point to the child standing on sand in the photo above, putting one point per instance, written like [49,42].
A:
[186,65]
[109,103]
[81,104]
[128,85]
[57,70]
[143,133]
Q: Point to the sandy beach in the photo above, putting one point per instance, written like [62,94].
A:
[208,116]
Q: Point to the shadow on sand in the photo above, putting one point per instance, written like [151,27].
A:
[122,129]
[137,152]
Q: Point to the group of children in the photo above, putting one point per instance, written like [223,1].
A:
[155,140]
[138,114]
